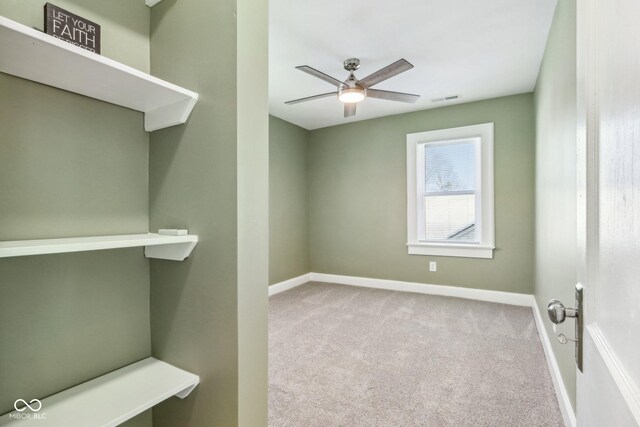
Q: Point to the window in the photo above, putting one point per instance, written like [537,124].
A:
[450,192]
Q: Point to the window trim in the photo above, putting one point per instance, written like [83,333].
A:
[485,191]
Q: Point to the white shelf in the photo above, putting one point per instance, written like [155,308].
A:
[34,55]
[111,399]
[175,248]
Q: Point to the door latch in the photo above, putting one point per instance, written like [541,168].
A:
[558,313]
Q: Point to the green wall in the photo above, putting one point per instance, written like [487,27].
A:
[556,254]
[124,24]
[72,166]
[208,313]
[253,210]
[358,211]
[289,201]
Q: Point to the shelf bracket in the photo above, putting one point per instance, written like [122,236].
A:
[151,3]
[169,115]
[184,393]
[172,252]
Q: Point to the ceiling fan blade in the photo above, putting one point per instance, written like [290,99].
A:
[392,96]
[400,66]
[311,98]
[350,109]
[319,74]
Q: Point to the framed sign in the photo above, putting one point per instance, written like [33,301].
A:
[71,28]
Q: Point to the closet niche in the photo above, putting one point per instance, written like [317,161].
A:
[62,293]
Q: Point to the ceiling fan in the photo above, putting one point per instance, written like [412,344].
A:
[352,90]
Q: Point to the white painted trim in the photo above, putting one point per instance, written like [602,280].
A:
[564,402]
[423,288]
[458,250]
[628,388]
[289,284]
[485,215]
[151,3]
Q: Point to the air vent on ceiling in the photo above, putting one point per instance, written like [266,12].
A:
[446,98]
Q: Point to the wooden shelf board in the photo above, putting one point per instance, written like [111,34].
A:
[34,55]
[109,400]
[183,244]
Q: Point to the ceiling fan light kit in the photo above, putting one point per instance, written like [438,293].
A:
[352,95]
[351,91]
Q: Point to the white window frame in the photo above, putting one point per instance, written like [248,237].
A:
[484,192]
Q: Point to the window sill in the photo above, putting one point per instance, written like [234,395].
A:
[465,251]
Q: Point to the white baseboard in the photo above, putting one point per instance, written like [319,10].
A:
[422,288]
[561,391]
[289,284]
[512,298]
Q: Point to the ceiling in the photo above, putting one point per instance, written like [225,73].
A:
[476,49]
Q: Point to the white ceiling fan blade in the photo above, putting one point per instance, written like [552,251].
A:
[319,74]
[350,109]
[392,96]
[311,98]
[387,72]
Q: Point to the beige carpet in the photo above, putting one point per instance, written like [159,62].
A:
[349,356]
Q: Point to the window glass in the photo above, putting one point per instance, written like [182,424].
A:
[450,200]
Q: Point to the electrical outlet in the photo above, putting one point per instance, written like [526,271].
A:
[433,266]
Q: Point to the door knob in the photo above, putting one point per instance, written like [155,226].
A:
[558,312]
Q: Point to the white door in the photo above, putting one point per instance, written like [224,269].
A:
[609,210]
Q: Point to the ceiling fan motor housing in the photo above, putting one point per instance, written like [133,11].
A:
[351,81]
[351,92]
